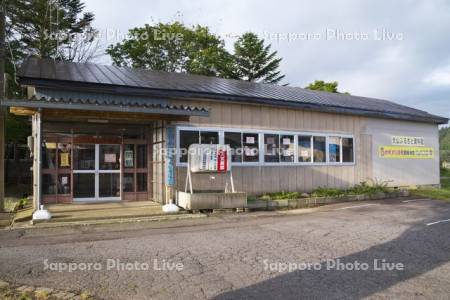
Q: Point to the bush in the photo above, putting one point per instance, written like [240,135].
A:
[21,204]
[281,196]
[327,192]
[364,188]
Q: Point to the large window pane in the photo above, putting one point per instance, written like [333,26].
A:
[304,148]
[271,148]
[84,185]
[109,184]
[48,184]
[48,155]
[347,150]
[141,159]
[287,148]
[209,137]
[334,149]
[64,156]
[319,143]
[234,139]
[251,147]
[141,182]
[187,138]
[84,157]
[64,184]
[128,156]
[109,157]
[128,182]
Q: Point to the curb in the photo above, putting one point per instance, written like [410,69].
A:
[109,221]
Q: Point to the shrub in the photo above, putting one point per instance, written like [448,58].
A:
[327,192]
[21,204]
[281,196]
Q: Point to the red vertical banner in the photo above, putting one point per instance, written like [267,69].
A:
[222,161]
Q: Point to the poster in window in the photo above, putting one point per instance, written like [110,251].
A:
[110,157]
[64,158]
[270,140]
[64,180]
[250,140]
[129,158]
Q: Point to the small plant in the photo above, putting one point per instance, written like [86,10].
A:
[21,204]
[281,196]
[365,188]
[41,295]
[327,192]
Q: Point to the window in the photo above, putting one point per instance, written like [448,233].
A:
[287,148]
[251,147]
[128,155]
[304,148]
[334,149]
[128,182]
[141,157]
[64,184]
[84,157]
[48,184]
[271,147]
[319,143]
[234,139]
[284,147]
[347,150]
[48,155]
[141,180]
[209,137]
[187,138]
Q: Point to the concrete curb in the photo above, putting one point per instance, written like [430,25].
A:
[110,221]
[318,201]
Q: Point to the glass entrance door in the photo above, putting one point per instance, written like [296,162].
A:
[96,174]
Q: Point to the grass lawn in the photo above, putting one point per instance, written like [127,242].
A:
[440,194]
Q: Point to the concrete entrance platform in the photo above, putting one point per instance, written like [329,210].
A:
[103,211]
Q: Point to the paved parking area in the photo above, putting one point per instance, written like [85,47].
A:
[381,249]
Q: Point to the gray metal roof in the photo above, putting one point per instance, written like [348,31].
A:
[121,80]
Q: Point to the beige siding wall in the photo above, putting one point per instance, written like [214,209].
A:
[262,179]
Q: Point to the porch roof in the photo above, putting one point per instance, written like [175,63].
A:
[122,104]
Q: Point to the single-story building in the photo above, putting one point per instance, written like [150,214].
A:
[105,133]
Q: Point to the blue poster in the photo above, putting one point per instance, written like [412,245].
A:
[170,156]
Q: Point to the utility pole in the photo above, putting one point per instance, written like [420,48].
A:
[2,110]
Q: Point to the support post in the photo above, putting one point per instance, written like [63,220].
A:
[2,110]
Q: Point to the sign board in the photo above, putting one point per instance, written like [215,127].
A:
[110,157]
[209,158]
[129,158]
[64,158]
[408,141]
[405,152]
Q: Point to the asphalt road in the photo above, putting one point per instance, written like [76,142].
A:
[233,256]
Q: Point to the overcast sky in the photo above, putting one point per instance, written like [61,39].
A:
[407,59]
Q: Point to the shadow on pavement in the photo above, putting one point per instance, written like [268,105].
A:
[420,249]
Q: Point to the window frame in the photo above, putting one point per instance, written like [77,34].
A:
[221,131]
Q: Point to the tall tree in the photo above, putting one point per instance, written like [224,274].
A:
[172,47]
[254,61]
[57,29]
[320,85]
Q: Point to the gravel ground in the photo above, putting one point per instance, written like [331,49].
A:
[231,256]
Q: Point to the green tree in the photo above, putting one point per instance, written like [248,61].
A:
[253,60]
[173,47]
[47,29]
[320,85]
